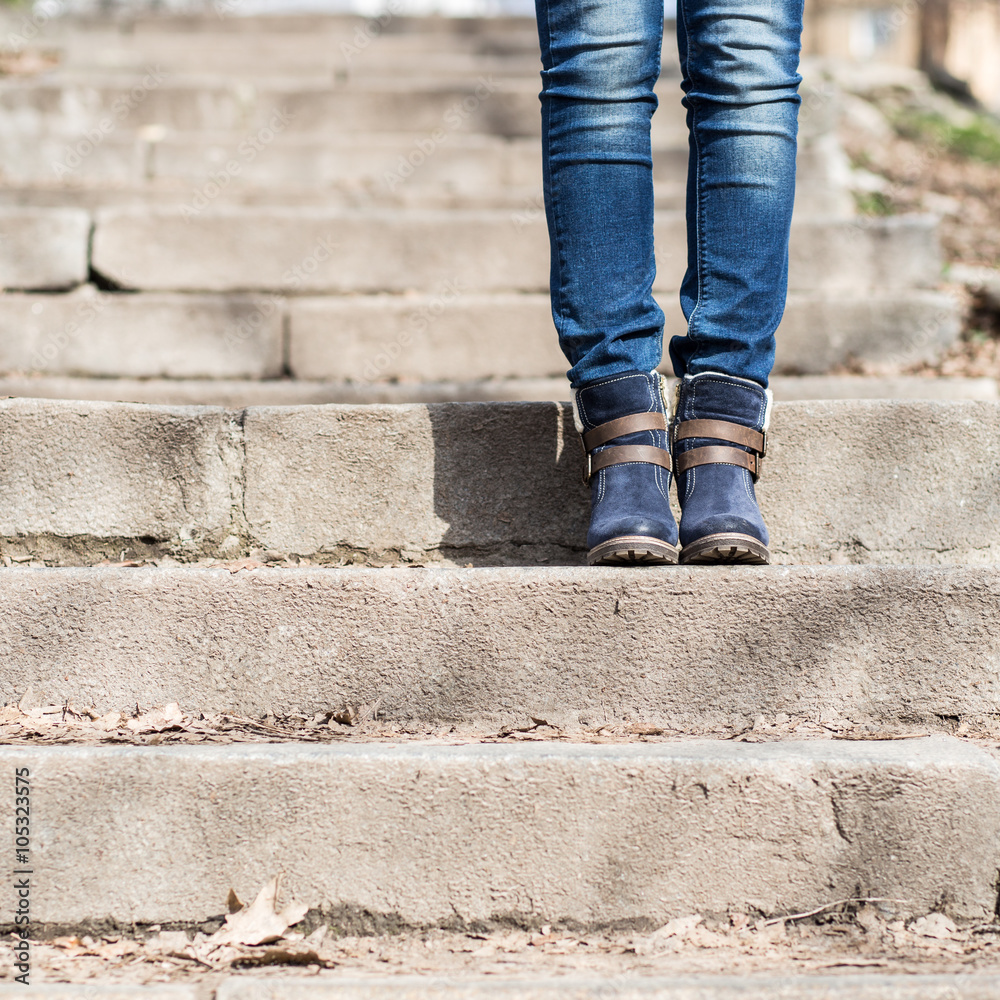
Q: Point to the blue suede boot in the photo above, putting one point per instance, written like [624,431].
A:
[719,438]
[624,426]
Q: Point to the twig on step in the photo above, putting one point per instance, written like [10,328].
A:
[828,906]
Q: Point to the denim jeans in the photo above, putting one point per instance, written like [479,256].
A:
[739,63]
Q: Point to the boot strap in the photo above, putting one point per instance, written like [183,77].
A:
[626,453]
[634,422]
[620,454]
[723,430]
[715,454]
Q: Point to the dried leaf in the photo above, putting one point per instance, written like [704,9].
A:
[110,722]
[237,565]
[347,716]
[158,720]
[260,922]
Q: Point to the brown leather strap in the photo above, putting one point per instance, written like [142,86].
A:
[716,453]
[628,453]
[723,430]
[603,433]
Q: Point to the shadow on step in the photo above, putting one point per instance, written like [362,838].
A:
[507,482]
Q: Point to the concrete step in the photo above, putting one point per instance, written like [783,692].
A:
[316,250]
[320,60]
[239,393]
[452,336]
[61,109]
[456,335]
[850,481]
[99,991]
[44,248]
[876,650]
[133,26]
[477,167]
[864,986]
[585,834]
[89,332]
[33,109]
[795,986]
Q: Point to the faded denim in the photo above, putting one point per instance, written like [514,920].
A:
[739,62]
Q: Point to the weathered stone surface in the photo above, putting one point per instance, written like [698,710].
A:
[317,250]
[43,248]
[872,481]
[298,392]
[413,478]
[427,337]
[795,388]
[472,165]
[463,335]
[98,991]
[850,481]
[159,336]
[881,646]
[587,833]
[71,109]
[239,393]
[822,332]
[75,475]
[454,335]
[866,253]
[870,986]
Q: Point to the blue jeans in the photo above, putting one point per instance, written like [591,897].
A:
[739,62]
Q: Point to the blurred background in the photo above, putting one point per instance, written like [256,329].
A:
[296,201]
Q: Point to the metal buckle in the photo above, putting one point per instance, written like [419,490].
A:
[586,463]
[763,452]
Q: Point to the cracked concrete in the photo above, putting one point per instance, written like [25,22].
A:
[583,835]
[885,646]
[488,483]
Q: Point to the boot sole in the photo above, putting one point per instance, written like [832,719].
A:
[727,548]
[632,550]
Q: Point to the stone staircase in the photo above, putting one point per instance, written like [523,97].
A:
[425,559]
[884,627]
[340,210]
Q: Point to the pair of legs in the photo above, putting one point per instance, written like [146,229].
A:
[739,65]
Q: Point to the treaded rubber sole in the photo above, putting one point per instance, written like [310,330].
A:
[632,550]
[727,548]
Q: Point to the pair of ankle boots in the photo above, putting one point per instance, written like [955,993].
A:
[713,446]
